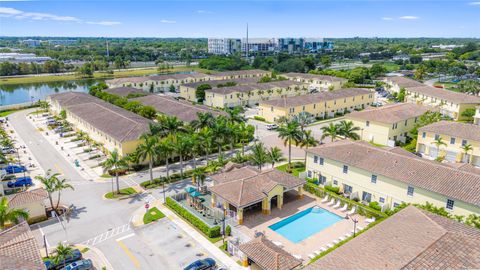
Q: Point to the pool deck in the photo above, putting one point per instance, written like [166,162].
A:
[260,223]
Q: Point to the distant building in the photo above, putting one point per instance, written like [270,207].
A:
[317,44]
[22,57]
[262,45]
[62,42]
[224,46]
[31,42]
[299,45]
[446,47]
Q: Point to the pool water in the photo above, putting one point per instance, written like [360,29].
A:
[305,224]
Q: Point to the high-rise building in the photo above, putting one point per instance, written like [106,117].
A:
[224,45]
[260,45]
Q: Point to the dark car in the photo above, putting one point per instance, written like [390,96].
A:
[76,256]
[206,264]
[20,182]
[80,265]
[15,168]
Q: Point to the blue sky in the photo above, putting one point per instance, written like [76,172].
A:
[227,18]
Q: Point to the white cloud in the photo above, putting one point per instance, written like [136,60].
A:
[474,3]
[106,23]
[167,21]
[387,18]
[37,16]
[409,18]
[204,12]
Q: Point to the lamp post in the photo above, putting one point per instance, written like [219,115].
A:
[355,221]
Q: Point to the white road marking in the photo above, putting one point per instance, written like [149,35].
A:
[125,237]
[107,235]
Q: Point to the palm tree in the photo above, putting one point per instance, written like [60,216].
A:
[259,155]
[61,185]
[220,131]
[274,155]
[439,142]
[165,150]
[199,175]
[115,162]
[467,148]
[245,134]
[49,181]
[235,115]
[182,147]
[348,130]
[171,125]
[154,129]
[62,252]
[10,215]
[303,119]
[206,140]
[330,131]
[203,120]
[289,133]
[148,150]
[282,120]
[308,140]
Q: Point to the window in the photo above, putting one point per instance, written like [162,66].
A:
[464,142]
[345,169]
[374,178]
[335,182]
[410,190]
[309,174]
[323,180]
[437,136]
[424,134]
[452,140]
[381,200]
[347,189]
[315,159]
[406,122]
[395,205]
[416,118]
[321,161]
[450,204]
[367,123]
[366,197]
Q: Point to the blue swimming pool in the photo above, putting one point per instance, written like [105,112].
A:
[305,224]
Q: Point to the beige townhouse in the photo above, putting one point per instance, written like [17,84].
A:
[318,82]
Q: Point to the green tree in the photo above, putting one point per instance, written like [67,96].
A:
[172,88]
[49,182]
[182,147]
[308,140]
[86,70]
[8,215]
[290,132]
[148,150]
[148,112]
[200,92]
[259,155]
[62,252]
[274,155]
[467,148]
[59,187]
[348,130]
[439,142]
[331,131]
[235,115]
[165,150]
[115,162]
[468,114]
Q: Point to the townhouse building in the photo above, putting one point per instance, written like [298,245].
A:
[391,176]
[318,82]
[455,136]
[188,91]
[388,124]
[320,105]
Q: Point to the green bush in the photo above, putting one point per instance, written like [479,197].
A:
[195,221]
[259,118]
[375,205]
[332,189]
[228,230]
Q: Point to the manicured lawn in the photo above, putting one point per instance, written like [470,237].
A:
[123,192]
[152,215]
[297,168]
[5,113]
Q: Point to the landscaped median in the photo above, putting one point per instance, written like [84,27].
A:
[152,215]
[295,170]
[124,193]
[212,233]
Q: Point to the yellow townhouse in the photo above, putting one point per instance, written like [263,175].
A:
[319,105]
[158,83]
[461,142]
[111,126]
[183,110]
[391,176]
[449,103]
[237,74]
[251,94]
[188,91]
[318,82]
[388,124]
[476,118]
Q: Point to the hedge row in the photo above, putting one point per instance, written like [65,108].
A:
[195,221]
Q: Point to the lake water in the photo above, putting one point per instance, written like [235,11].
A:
[32,92]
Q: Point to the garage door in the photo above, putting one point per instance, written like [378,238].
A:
[433,152]
[451,156]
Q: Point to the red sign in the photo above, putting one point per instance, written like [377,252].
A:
[147,206]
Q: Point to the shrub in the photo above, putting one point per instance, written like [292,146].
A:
[228,230]
[375,205]
[333,189]
[195,221]
[259,118]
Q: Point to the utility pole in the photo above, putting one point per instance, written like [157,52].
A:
[246,45]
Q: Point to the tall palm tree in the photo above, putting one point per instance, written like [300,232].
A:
[199,174]
[62,252]
[165,150]
[196,147]
[303,119]
[235,115]
[348,130]
[115,162]
[154,129]
[220,131]
[171,125]
[182,147]
[245,134]
[206,140]
[467,148]
[203,120]
[308,140]
[59,186]
[259,155]
[274,155]
[439,142]
[8,215]
[148,150]
[330,131]
[289,133]
[49,182]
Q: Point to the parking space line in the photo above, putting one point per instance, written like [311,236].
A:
[125,237]
[130,255]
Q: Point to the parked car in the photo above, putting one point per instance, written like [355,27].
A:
[15,169]
[8,150]
[20,182]
[80,265]
[51,122]
[206,264]
[76,256]
[272,126]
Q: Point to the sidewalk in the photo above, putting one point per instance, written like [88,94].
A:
[98,258]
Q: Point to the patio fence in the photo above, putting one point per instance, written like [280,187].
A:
[361,209]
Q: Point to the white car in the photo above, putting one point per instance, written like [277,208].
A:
[271,127]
